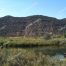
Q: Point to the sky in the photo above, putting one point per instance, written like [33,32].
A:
[22,8]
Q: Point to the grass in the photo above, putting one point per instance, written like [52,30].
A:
[30,56]
[30,41]
[27,57]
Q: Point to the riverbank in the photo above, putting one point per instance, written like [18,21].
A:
[31,42]
[32,51]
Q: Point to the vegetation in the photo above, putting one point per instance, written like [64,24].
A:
[47,37]
[65,35]
[27,57]
[32,51]
[35,56]
[25,42]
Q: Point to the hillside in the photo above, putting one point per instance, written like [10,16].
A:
[36,25]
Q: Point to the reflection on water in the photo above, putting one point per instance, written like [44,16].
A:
[59,56]
[55,53]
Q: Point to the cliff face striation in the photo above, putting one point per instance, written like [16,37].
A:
[36,25]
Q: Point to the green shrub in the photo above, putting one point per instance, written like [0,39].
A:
[64,35]
[47,37]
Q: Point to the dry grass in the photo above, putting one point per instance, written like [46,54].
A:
[27,57]
[30,40]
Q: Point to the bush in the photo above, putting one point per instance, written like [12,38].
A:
[47,37]
[64,35]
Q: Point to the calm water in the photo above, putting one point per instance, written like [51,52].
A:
[56,53]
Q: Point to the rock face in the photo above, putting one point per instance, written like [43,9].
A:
[36,25]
